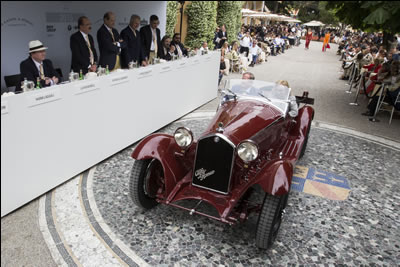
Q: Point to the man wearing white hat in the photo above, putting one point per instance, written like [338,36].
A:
[36,66]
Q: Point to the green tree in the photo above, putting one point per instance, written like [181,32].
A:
[172,9]
[202,17]
[370,16]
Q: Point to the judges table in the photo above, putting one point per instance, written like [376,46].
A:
[51,135]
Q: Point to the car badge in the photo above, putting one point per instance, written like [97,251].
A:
[202,174]
[216,139]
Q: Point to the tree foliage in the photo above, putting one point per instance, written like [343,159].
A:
[172,9]
[202,17]
[368,15]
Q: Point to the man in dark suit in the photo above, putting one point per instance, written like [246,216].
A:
[150,36]
[36,67]
[180,50]
[84,56]
[134,50]
[110,44]
[222,36]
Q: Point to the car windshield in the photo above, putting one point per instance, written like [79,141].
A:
[269,92]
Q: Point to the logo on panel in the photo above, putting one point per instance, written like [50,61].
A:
[320,183]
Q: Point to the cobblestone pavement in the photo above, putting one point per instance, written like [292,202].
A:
[349,217]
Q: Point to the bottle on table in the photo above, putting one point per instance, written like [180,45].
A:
[38,85]
[80,75]
[107,70]
[25,85]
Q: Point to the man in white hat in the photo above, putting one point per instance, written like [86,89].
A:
[36,66]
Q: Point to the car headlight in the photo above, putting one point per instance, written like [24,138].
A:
[183,137]
[247,151]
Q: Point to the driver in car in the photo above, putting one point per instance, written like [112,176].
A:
[246,87]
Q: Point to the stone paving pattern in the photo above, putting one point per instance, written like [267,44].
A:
[361,230]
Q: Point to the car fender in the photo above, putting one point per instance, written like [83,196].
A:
[276,178]
[163,148]
[305,116]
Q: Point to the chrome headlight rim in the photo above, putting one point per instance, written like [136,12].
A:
[189,134]
[252,144]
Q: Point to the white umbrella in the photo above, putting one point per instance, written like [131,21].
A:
[314,23]
[248,11]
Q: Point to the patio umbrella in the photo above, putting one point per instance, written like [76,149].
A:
[314,23]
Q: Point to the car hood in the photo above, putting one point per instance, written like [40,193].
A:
[242,119]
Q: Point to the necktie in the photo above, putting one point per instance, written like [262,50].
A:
[112,35]
[90,50]
[41,71]
[154,41]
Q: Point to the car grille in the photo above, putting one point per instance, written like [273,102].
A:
[213,164]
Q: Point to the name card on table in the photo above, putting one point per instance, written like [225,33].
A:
[145,72]
[120,79]
[4,107]
[86,87]
[43,96]
[181,64]
[195,61]
[207,57]
[165,69]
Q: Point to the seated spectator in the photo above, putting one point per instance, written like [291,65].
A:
[204,47]
[293,107]
[224,49]
[37,68]
[255,50]
[180,50]
[167,50]
[389,73]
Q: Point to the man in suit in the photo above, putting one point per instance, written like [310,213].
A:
[37,67]
[84,56]
[179,48]
[134,50]
[150,36]
[110,44]
[222,36]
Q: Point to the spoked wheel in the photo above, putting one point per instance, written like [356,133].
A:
[147,177]
[270,220]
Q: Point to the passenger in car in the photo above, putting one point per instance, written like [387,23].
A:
[293,107]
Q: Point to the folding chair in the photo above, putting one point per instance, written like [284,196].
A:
[353,76]
[382,94]
[393,108]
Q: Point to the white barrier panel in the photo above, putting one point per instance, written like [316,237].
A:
[51,135]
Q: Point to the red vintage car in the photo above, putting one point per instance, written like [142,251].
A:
[255,139]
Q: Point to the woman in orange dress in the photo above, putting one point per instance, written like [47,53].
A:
[308,38]
[326,41]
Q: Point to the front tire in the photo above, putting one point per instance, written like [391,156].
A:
[269,220]
[145,180]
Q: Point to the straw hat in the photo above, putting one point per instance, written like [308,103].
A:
[35,46]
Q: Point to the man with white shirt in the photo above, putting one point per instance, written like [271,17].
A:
[37,68]
[110,44]
[84,56]
[255,50]
[151,39]
[245,43]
